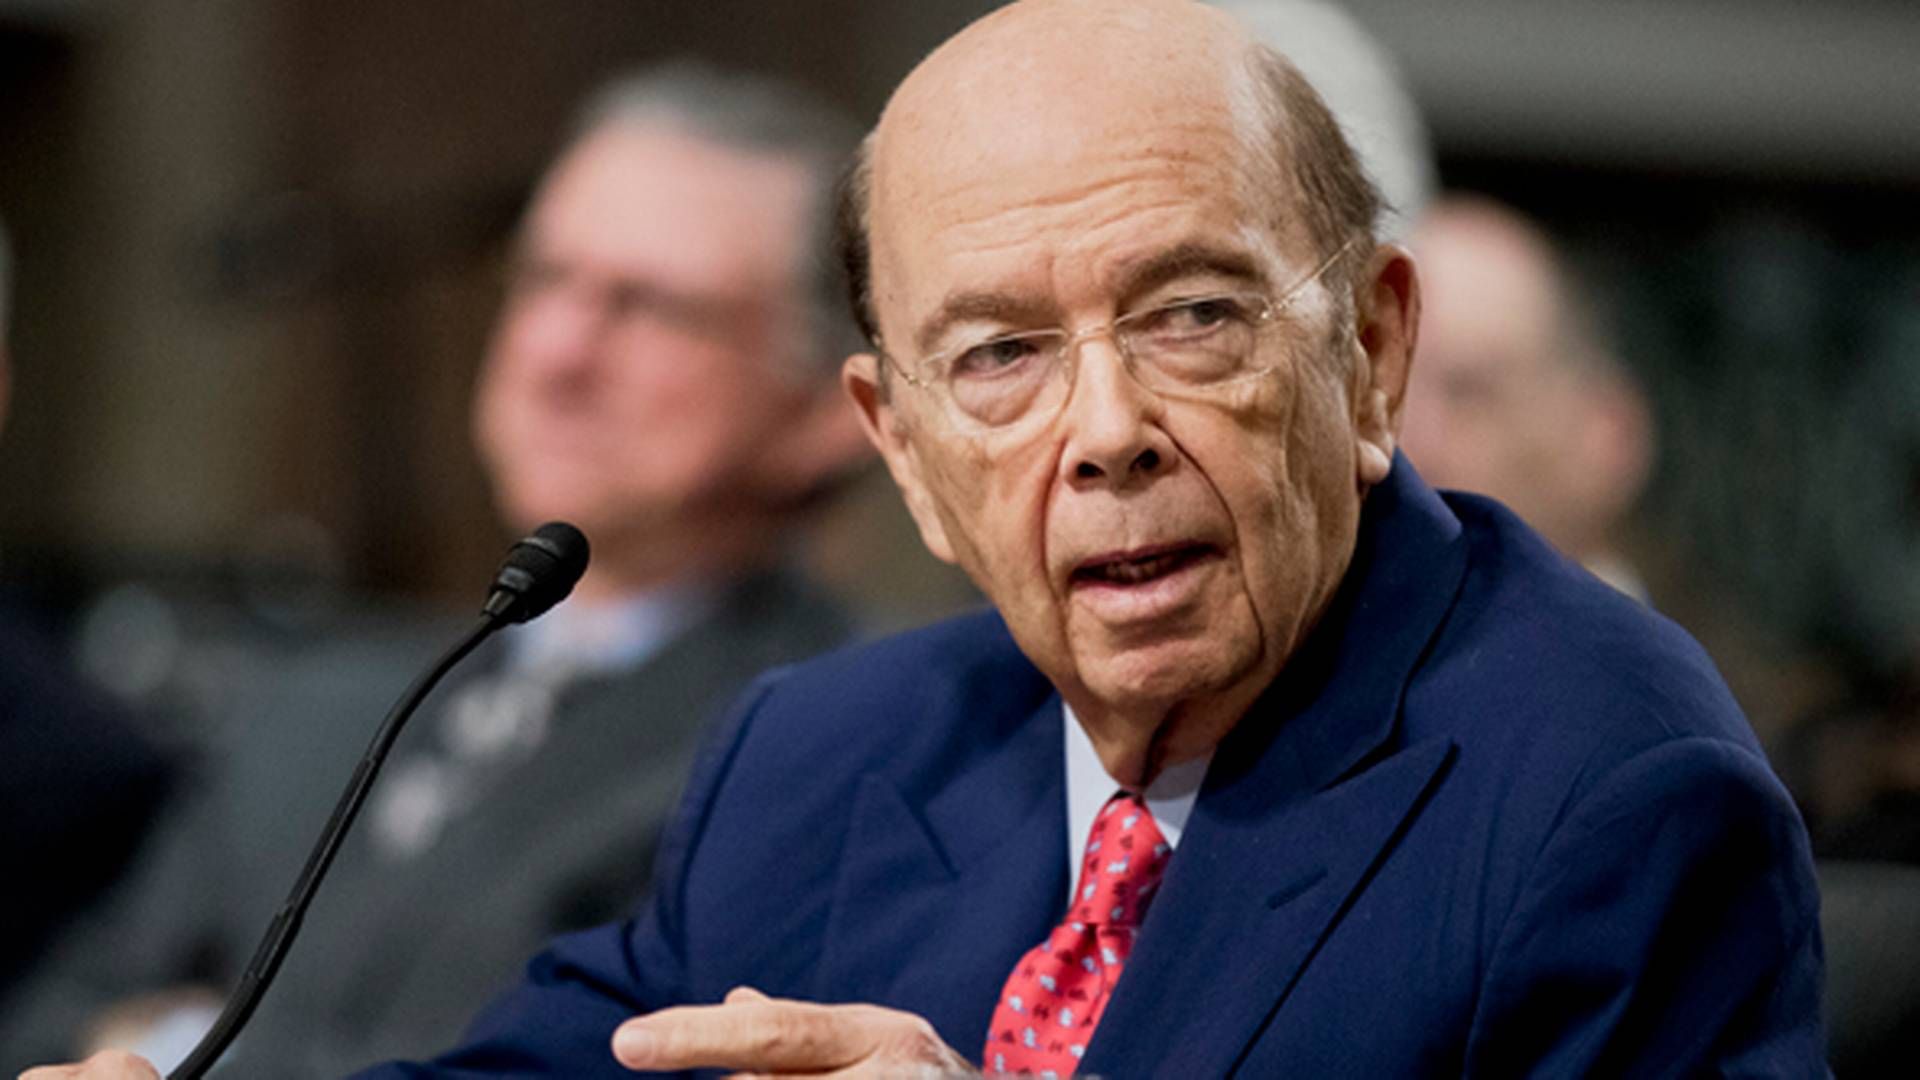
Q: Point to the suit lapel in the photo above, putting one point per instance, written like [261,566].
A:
[1305,797]
[937,898]
[1241,917]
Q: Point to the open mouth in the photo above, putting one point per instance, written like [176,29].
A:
[1141,566]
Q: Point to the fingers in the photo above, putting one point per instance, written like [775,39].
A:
[105,1065]
[749,1032]
[752,1033]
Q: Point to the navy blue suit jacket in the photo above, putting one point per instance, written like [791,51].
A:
[1494,819]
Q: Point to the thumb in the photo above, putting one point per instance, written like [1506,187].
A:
[744,994]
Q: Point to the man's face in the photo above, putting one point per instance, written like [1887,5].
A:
[648,337]
[1149,552]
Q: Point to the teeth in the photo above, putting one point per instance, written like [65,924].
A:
[1133,572]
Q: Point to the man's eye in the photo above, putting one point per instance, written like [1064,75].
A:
[532,275]
[996,357]
[1195,317]
[626,299]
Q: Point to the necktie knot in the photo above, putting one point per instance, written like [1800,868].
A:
[1126,855]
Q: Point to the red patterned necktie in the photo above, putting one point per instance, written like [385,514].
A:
[1058,990]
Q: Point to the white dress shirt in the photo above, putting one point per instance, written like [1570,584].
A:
[1169,797]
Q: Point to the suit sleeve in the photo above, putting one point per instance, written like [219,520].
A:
[1669,928]
[558,1021]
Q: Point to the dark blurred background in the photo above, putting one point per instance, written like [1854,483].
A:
[257,245]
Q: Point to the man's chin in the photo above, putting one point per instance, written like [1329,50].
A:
[588,511]
[1161,677]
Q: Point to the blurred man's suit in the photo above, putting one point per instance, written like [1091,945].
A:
[398,949]
[1494,819]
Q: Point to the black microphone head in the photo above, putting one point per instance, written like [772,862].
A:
[539,572]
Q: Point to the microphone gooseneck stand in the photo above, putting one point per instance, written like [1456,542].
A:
[539,572]
[286,922]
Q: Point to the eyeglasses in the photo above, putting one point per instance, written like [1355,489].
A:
[621,299]
[1194,343]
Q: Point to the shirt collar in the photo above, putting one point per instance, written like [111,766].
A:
[1169,797]
[585,638]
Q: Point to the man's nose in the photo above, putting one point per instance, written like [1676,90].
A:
[563,332]
[1114,434]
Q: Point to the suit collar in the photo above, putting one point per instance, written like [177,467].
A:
[1304,798]
[955,856]
[1337,702]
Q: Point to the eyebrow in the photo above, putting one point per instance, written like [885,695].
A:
[981,307]
[1188,260]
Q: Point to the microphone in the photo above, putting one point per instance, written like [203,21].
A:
[539,571]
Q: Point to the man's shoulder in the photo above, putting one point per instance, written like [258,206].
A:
[1577,717]
[1536,643]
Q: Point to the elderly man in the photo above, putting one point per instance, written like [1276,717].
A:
[1373,783]
[661,375]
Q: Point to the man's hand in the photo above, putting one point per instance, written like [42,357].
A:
[105,1065]
[754,1033]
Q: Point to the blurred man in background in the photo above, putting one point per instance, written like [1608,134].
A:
[663,375]
[1518,395]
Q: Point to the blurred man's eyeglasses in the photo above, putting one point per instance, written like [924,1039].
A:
[1194,343]
[627,300]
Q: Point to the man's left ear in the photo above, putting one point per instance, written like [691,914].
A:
[1387,320]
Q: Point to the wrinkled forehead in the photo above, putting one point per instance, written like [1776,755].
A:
[1050,119]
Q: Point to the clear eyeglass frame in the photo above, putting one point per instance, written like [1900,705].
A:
[1147,361]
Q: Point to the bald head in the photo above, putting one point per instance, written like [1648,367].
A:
[1047,83]
[1474,250]
[1073,64]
